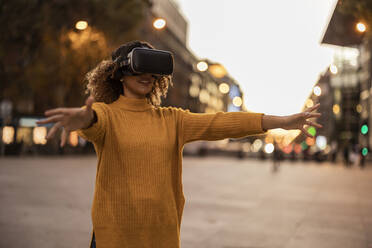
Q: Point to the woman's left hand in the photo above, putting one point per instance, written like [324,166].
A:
[297,121]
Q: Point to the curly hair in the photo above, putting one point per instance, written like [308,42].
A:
[103,82]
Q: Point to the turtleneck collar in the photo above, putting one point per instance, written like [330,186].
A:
[133,104]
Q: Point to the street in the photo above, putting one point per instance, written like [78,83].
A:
[230,203]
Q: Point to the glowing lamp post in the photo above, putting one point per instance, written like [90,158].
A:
[336,109]
[202,66]
[81,25]
[333,69]
[224,88]
[360,27]
[217,70]
[237,101]
[317,91]
[159,23]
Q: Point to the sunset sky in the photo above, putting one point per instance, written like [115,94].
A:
[272,48]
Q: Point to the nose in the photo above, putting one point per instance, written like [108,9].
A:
[148,76]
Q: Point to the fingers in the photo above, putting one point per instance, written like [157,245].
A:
[311,123]
[306,132]
[89,103]
[313,107]
[55,111]
[314,115]
[54,118]
[53,130]
[64,137]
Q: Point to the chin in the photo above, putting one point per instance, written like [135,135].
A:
[143,93]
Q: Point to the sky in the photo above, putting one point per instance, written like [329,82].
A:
[271,48]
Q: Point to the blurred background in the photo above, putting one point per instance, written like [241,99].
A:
[273,57]
[284,61]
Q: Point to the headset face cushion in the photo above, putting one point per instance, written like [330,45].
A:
[157,62]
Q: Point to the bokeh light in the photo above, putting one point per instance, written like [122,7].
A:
[364,129]
[81,25]
[39,134]
[304,146]
[297,148]
[312,131]
[361,27]
[336,109]
[321,142]
[333,69]
[237,101]
[194,90]
[8,134]
[364,151]
[202,66]
[204,96]
[288,149]
[309,103]
[317,91]
[269,148]
[159,23]
[359,108]
[74,139]
[256,146]
[24,135]
[269,139]
[217,70]
[310,141]
[224,88]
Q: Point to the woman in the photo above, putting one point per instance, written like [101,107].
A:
[138,199]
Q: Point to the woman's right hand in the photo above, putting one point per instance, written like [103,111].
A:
[69,118]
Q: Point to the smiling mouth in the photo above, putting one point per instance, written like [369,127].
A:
[144,82]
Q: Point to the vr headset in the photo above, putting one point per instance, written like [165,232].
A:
[144,60]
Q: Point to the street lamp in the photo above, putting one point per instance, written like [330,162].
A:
[217,70]
[360,27]
[81,25]
[224,88]
[333,69]
[317,91]
[202,66]
[336,109]
[359,108]
[159,23]
[237,101]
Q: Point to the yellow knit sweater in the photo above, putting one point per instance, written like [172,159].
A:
[138,198]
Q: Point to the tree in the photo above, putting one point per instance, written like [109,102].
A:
[44,57]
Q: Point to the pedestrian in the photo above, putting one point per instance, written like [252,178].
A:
[276,157]
[346,155]
[138,197]
[334,149]
[361,157]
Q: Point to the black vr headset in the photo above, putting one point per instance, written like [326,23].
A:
[144,60]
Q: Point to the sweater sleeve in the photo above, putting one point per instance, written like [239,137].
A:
[220,125]
[96,132]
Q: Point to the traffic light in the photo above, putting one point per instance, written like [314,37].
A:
[364,129]
[364,151]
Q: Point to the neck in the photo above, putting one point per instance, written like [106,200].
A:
[135,96]
[132,103]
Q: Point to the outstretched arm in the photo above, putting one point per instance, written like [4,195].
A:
[217,126]
[221,125]
[295,121]
[84,120]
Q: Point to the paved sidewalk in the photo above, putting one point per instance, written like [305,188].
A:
[230,203]
[244,204]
